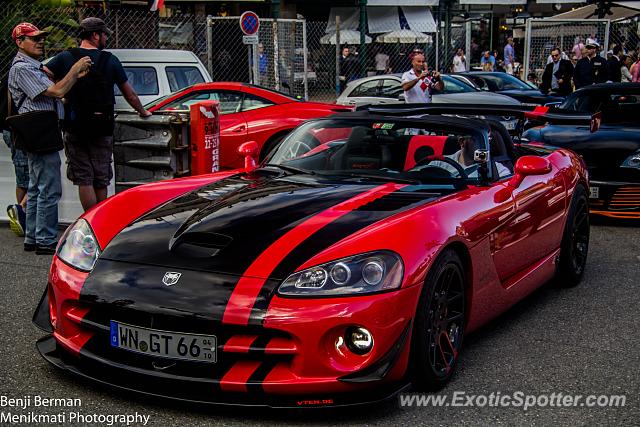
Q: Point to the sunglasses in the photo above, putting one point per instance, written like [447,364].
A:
[35,38]
[556,55]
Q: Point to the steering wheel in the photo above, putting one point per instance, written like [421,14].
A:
[295,151]
[445,159]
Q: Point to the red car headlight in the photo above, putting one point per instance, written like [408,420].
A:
[356,275]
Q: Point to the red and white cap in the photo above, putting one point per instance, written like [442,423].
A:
[26,29]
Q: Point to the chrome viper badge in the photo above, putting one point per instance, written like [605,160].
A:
[171,278]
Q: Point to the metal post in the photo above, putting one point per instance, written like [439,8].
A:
[438,32]
[337,55]
[210,45]
[256,69]
[363,44]
[447,35]
[304,62]
[467,43]
[276,54]
[527,47]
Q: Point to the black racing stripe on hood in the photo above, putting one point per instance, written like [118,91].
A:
[243,217]
[343,227]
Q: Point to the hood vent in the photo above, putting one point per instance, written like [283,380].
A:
[199,244]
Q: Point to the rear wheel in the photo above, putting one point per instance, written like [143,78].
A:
[439,324]
[575,241]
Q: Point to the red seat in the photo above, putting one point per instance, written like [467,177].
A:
[436,143]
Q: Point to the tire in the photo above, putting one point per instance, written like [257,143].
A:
[575,241]
[439,324]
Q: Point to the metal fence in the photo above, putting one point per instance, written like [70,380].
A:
[136,28]
[542,35]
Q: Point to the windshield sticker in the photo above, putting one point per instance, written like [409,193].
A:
[385,126]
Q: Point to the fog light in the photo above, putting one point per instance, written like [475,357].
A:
[359,340]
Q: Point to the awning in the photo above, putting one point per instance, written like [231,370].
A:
[402,3]
[589,12]
[384,19]
[506,2]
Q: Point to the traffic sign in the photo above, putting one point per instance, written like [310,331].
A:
[250,39]
[249,23]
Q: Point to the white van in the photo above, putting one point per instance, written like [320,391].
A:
[154,73]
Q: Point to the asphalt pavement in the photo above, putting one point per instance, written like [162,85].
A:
[581,341]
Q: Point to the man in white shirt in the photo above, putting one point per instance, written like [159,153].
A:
[459,62]
[418,83]
[382,63]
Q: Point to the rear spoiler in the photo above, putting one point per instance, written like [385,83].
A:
[540,113]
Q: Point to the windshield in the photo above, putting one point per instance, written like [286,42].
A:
[501,81]
[387,149]
[453,85]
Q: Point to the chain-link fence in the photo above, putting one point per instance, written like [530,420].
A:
[626,34]
[134,28]
[542,35]
[278,61]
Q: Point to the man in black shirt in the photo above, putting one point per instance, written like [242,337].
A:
[89,114]
[615,65]
[591,68]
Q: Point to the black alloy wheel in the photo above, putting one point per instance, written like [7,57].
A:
[439,324]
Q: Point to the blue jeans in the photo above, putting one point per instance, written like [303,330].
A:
[43,195]
[20,162]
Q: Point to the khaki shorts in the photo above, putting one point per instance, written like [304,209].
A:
[89,159]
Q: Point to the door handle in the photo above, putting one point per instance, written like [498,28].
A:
[239,129]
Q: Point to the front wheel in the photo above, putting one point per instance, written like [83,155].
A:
[439,324]
[575,241]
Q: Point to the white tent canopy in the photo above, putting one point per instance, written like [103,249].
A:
[346,37]
[404,36]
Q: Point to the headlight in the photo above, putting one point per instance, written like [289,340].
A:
[356,275]
[633,161]
[79,247]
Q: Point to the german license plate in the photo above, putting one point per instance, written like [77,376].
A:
[172,345]
[509,125]
[594,192]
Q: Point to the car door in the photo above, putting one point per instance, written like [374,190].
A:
[536,226]
[233,125]
[366,93]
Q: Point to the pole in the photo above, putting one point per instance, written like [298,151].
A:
[337,55]
[447,36]
[304,62]
[276,54]
[363,41]
[210,45]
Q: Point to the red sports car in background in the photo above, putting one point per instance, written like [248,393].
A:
[247,113]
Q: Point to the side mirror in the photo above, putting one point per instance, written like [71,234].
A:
[249,150]
[529,165]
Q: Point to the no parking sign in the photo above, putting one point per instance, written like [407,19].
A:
[249,23]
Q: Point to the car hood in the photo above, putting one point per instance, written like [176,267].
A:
[225,226]
[475,97]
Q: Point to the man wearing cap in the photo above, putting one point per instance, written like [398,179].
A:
[89,112]
[591,68]
[32,90]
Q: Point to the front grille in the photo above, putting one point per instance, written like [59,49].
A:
[626,198]
[234,343]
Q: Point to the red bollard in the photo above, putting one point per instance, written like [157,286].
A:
[205,137]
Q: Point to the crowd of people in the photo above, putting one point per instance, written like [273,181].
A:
[78,85]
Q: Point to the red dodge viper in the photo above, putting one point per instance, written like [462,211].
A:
[349,264]
[247,113]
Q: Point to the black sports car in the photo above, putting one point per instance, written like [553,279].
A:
[612,153]
[509,85]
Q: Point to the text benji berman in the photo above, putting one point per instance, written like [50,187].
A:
[28,401]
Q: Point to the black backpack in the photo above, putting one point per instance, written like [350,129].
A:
[5,99]
[89,109]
